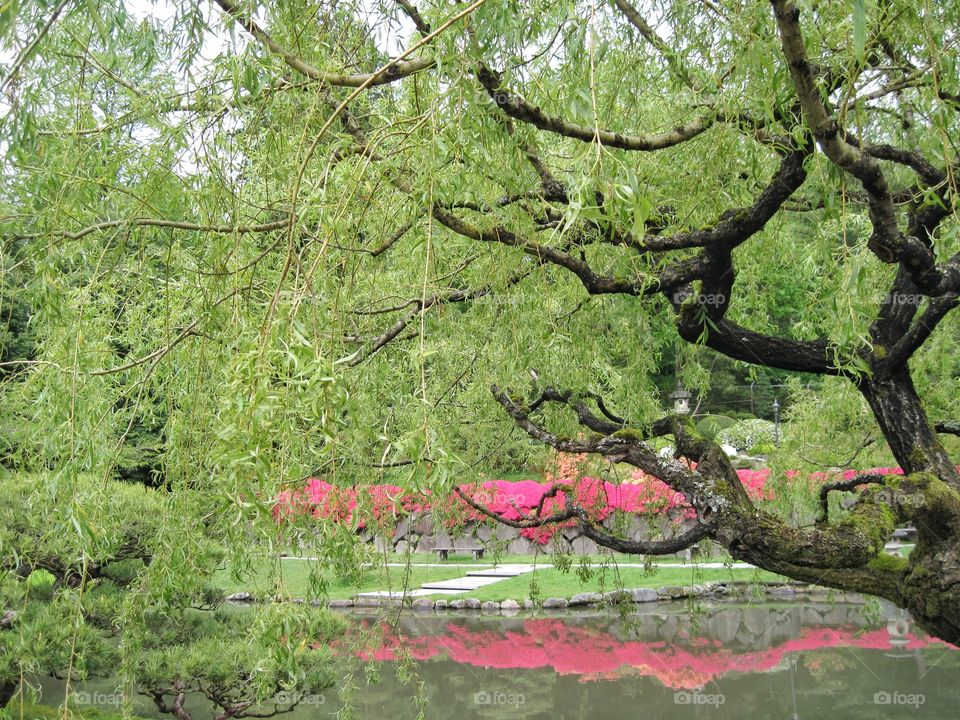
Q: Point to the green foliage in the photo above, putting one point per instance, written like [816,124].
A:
[107,562]
[42,712]
[40,585]
[713,424]
[234,659]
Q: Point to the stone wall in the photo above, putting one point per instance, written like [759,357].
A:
[422,533]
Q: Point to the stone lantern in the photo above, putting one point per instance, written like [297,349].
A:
[681,400]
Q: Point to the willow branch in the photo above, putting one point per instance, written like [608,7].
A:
[161,223]
[421,305]
[423,27]
[160,352]
[886,241]
[679,273]
[28,50]
[667,546]
[396,71]
[844,486]
[673,58]
[524,111]
[920,331]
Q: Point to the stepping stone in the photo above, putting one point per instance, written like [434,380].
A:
[504,571]
[464,583]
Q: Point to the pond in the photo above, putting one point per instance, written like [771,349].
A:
[798,660]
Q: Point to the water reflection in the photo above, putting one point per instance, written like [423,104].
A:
[769,661]
[797,661]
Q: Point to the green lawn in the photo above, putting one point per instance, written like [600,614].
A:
[294,580]
[552,582]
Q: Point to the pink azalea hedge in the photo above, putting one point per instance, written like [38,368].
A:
[382,506]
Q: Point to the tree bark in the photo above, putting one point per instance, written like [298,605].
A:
[7,690]
[904,423]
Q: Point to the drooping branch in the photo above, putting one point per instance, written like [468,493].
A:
[740,343]
[396,71]
[536,520]
[723,485]
[591,529]
[724,511]
[28,51]
[737,225]
[667,546]
[679,273]
[828,133]
[887,242]
[625,445]
[927,171]
[524,111]
[220,229]
[673,58]
[390,241]
[423,27]
[156,355]
[420,306]
[572,511]
[584,415]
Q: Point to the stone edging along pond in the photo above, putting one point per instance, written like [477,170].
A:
[671,593]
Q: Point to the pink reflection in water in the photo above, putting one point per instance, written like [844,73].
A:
[594,654]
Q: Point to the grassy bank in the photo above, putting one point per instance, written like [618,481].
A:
[29,711]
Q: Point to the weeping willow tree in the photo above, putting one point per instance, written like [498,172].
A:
[306,238]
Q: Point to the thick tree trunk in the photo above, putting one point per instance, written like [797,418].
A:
[906,427]
[930,588]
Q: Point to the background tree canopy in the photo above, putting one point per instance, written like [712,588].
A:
[246,243]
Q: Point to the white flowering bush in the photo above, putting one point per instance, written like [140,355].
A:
[747,434]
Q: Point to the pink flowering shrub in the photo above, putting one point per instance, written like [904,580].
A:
[380,507]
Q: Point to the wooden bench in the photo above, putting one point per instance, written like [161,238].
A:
[444,553]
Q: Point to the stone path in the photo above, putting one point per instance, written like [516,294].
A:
[473,580]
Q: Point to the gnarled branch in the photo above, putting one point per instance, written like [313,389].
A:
[521,109]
